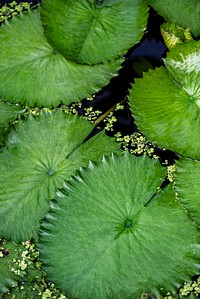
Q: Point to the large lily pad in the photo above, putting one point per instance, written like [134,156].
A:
[35,73]
[110,234]
[182,12]
[40,154]
[187,177]
[166,102]
[91,33]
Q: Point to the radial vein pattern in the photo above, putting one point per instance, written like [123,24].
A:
[35,73]
[107,237]
[39,155]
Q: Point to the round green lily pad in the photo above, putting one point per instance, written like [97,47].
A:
[187,177]
[40,154]
[35,73]
[182,12]
[90,32]
[110,234]
[166,101]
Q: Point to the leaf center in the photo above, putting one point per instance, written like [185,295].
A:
[51,172]
[128,223]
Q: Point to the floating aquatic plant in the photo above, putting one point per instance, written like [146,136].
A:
[115,228]
[40,154]
[35,73]
[102,31]
[169,115]
[105,236]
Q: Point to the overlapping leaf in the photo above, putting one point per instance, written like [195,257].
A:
[35,73]
[187,177]
[91,33]
[106,237]
[182,12]
[166,102]
[41,153]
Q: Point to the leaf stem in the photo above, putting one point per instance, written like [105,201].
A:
[103,116]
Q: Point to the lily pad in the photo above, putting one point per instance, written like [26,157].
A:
[166,102]
[182,12]
[110,234]
[41,153]
[88,32]
[187,177]
[35,73]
